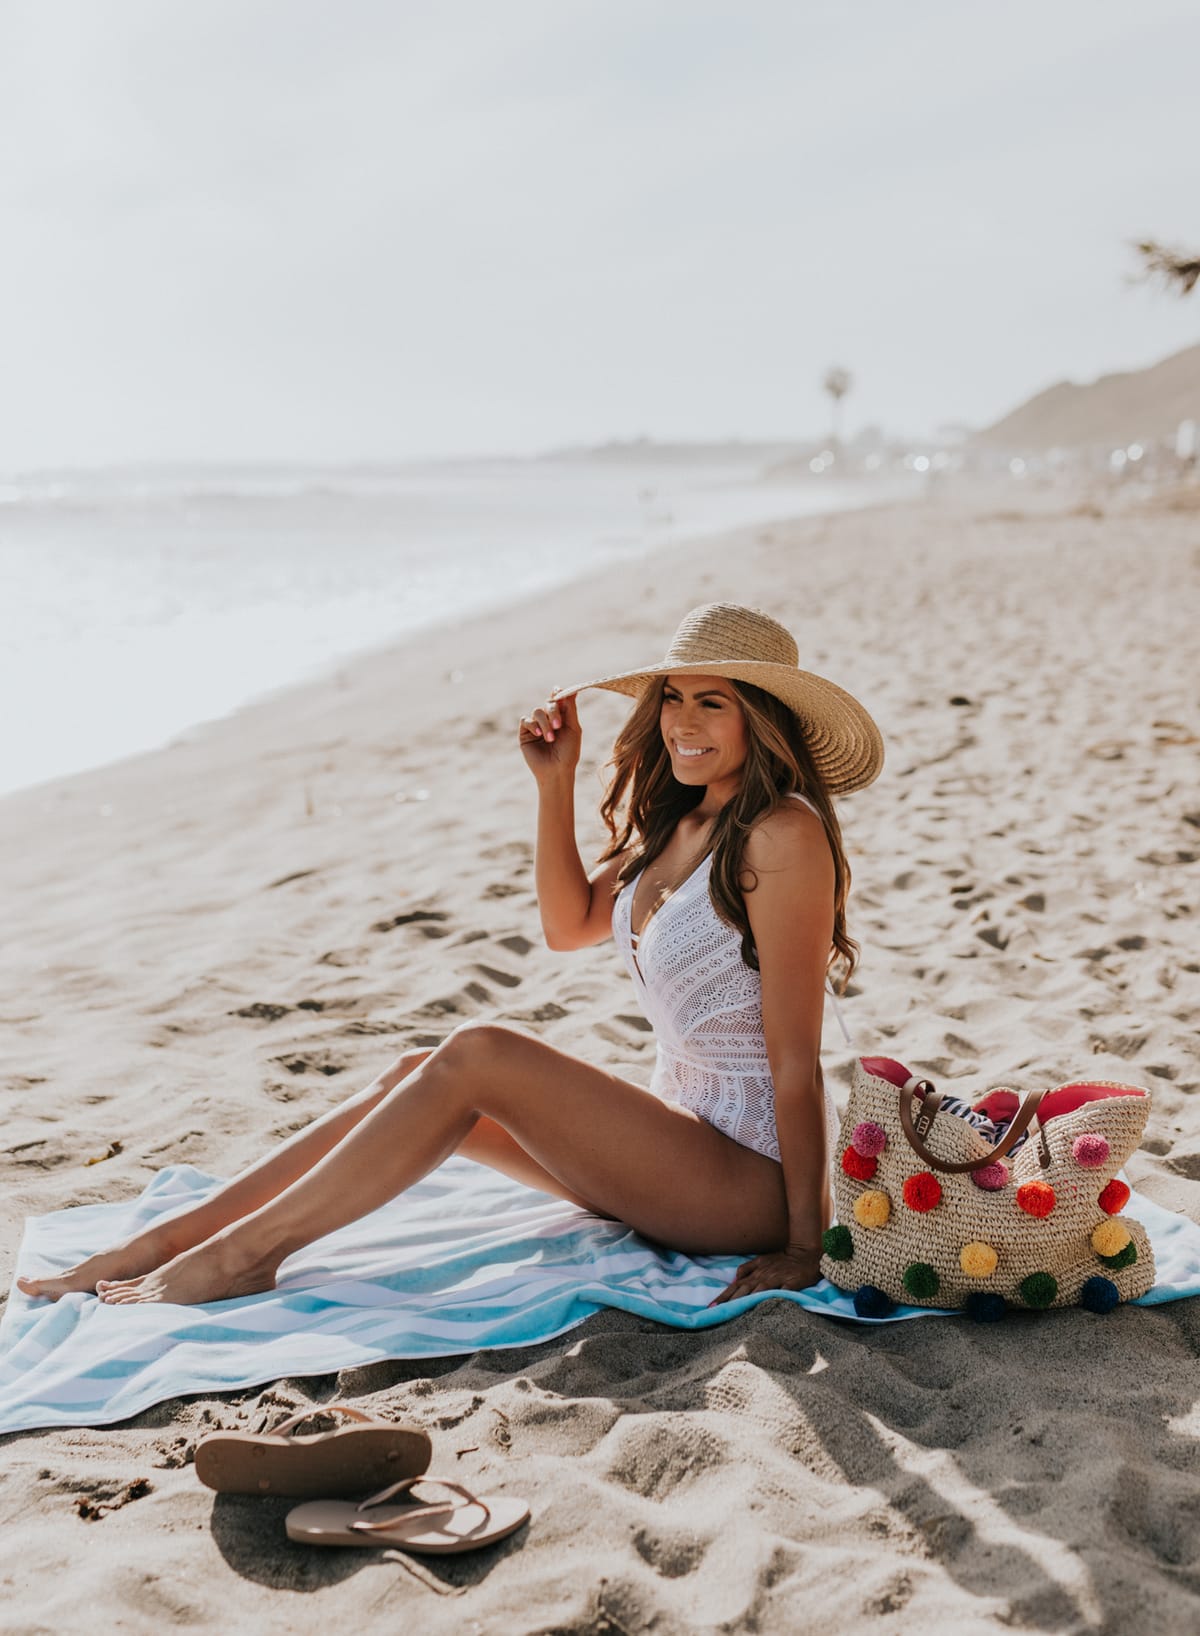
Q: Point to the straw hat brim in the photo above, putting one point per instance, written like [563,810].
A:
[845,743]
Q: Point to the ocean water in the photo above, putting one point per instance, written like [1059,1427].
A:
[135,605]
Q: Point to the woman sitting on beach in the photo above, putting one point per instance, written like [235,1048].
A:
[725,887]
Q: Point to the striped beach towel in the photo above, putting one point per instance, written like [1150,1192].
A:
[465,1261]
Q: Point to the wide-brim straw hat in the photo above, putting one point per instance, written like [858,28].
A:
[744,645]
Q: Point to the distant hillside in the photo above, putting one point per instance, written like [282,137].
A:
[1115,410]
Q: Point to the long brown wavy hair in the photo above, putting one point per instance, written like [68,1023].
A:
[644,802]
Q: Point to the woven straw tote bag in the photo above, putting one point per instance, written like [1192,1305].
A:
[929,1214]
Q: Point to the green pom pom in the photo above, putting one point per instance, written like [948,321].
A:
[1123,1258]
[837,1243]
[1039,1289]
[920,1280]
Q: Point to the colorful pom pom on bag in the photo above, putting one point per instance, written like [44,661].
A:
[986,1228]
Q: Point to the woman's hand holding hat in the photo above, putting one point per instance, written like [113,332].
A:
[550,738]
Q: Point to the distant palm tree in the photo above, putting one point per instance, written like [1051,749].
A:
[837,383]
[1177,269]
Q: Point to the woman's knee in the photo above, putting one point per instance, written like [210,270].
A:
[405,1064]
[480,1061]
[478,1046]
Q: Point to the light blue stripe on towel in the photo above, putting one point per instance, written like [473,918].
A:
[465,1261]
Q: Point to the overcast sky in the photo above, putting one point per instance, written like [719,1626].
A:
[372,228]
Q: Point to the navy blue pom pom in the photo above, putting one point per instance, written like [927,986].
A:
[985,1307]
[1099,1295]
[870,1302]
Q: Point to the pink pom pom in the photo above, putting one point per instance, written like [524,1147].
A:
[991,1177]
[868,1138]
[1090,1150]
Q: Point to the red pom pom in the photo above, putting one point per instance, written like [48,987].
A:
[922,1191]
[1036,1198]
[859,1165]
[1114,1197]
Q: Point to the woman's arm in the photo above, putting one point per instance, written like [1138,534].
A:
[576,908]
[789,899]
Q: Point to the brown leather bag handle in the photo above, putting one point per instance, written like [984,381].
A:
[1029,1107]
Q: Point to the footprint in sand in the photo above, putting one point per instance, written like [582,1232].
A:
[516,944]
[96,1497]
[550,1012]
[301,1064]
[280,1092]
[286,880]
[617,1036]
[262,1011]
[415,917]
[495,975]
[465,1003]
[516,851]
[27,1153]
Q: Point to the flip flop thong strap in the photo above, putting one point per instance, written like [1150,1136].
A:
[410,1513]
[326,1408]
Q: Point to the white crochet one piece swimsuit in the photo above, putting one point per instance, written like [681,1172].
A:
[705,1006]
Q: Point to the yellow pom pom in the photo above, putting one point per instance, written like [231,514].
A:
[872,1209]
[977,1260]
[1110,1238]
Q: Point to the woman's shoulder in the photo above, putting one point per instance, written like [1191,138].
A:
[786,834]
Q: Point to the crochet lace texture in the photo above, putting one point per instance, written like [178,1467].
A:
[705,1006]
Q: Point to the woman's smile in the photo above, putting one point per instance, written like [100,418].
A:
[708,705]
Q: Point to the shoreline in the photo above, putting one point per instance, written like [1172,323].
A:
[341,674]
[496,584]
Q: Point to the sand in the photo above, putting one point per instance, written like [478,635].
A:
[206,946]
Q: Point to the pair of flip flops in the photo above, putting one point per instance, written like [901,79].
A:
[341,1464]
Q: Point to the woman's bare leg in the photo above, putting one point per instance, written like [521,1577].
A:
[270,1176]
[661,1169]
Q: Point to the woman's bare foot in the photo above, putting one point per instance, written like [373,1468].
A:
[137,1255]
[217,1270]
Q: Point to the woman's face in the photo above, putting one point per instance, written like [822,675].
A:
[704,730]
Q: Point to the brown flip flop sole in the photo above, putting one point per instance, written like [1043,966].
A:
[432,1530]
[350,1460]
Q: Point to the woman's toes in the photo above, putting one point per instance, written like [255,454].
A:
[112,1289]
[49,1288]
